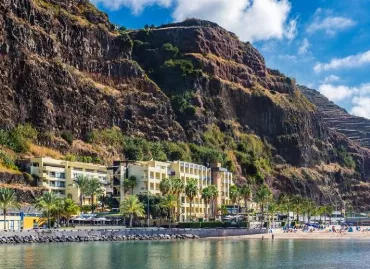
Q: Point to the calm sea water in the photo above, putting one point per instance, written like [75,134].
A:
[189,254]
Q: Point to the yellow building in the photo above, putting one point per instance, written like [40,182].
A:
[150,173]
[31,222]
[59,176]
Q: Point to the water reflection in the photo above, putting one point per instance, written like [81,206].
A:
[215,254]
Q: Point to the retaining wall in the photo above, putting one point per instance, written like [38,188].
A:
[202,233]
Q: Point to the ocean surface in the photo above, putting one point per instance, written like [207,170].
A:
[213,254]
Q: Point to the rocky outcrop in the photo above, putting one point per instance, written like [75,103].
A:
[355,128]
[64,68]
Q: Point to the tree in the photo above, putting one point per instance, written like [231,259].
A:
[165,186]
[246,194]
[178,187]
[272,208]
[46,203]
[214,194]
[262,196]
[82,184]
[131,207]
[58,208]
[297,205]
[285,204]
[191,190]
[8,200]
[94,187]
[69,209]
[169,201]
[329,211]
[309,208]
[234,195]
[222,209]
[206,196]
[130,183]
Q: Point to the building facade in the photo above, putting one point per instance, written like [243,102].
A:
[149,175]
[58,176]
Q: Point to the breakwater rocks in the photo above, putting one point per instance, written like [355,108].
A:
[91,238]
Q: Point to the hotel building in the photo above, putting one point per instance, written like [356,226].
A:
[150,173]
[58,176]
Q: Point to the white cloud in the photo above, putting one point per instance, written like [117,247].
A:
[358,96]
[288,57]
[303,49]
[251,20]
[136,6]
[325,21]
[347,62]
[331,79]
[336,93]
[361,107]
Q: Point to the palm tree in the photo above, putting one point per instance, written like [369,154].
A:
[285,205]
[272,208]
[222,209]
[165,186]
[262,196]
[178,189]
[246,194]
[69,209]
[82,184]
[309,208]
[297,204]
[191,190]
[206,196]
[329,211]
[214,194]
[8,200]
[234,195]
[94,187]
[47,203]
[130,183]
[131,206]
[169,201]
[56,212]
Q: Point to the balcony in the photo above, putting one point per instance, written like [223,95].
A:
[116,182]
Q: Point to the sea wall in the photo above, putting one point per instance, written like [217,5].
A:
[50,236]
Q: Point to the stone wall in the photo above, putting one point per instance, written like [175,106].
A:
[50,236]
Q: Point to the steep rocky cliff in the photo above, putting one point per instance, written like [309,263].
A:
[355,128]
[65,68]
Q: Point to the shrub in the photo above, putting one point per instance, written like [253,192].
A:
[7,160]
[168,47]
[186,67]
[110,137]
[68,137]
[345,158]
[213,224]
[19,138]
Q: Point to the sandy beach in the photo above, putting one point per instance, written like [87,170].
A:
[316,235]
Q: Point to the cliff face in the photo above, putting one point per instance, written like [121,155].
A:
[230,83]
[64,67]
[355,128]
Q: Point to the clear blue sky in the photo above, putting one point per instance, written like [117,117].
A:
[324,44]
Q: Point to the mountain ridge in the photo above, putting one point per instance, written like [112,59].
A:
[355,128]
[82,83]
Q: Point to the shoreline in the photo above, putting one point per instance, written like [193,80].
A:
[299,235]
